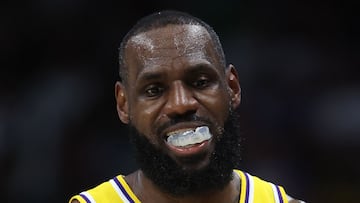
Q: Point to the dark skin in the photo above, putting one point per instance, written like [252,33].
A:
[170,74]
[167,79]
[175,70]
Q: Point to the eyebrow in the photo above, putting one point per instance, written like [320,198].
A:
[190,70]
[200,67]
[146,76]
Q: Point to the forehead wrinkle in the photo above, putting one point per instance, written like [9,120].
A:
[186,59]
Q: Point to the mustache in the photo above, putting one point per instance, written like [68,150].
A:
[183,119]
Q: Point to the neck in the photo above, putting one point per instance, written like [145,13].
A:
[147,191]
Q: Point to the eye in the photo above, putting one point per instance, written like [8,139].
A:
[154,90]
[201,82]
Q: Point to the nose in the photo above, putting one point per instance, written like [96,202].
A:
[180,101]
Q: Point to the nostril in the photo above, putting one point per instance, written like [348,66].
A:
[189,115]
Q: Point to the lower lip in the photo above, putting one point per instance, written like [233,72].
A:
[191,150]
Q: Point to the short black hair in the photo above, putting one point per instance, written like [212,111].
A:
[161,19]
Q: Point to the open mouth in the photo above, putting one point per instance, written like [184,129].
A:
[186,138]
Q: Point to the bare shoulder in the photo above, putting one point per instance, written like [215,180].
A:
[292,200]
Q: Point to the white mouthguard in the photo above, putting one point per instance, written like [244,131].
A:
[190,137]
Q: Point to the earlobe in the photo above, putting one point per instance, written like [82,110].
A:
[121,102]
[234,86]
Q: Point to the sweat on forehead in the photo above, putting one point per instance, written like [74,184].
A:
[170,46]
[160,20]
[181,36]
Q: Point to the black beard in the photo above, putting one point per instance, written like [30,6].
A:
[172,178]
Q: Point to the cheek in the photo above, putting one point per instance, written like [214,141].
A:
[217,104]
[145,116]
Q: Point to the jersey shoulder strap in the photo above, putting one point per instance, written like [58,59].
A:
[115,190]
[256,190]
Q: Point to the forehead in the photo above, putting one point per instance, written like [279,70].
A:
[168,45]
[178,35]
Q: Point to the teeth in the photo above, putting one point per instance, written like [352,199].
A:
[189,137]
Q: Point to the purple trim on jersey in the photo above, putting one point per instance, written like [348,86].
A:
[85,198]
[123,190]
[247,188]
[279,194]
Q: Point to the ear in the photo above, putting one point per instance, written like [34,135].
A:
[122,106]
[234,86]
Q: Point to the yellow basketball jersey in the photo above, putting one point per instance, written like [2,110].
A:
[116,190]
[255,190]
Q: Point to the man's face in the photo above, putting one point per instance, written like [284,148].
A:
[176,83]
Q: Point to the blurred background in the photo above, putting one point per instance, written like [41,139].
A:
[298,63]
